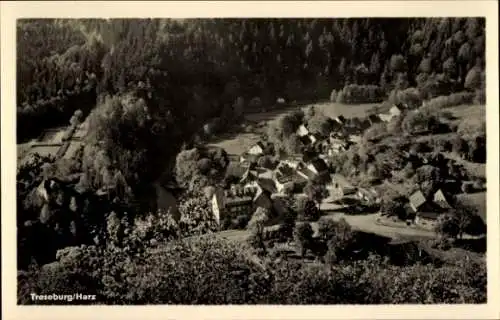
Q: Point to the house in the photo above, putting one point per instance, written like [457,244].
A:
[427,220]
[249,158]
[305,140]
[248,176]
[318,166]
[418,203]
[235,170]
[262,199]
[385,117]
[256,149]
[395,111]
[340,119]
[373,118]
[305,172]
[292,181]
[302,131]
[223,205]
[368,195]
[441,200]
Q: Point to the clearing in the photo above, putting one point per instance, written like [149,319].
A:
[239,142]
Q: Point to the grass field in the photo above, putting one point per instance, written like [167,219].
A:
[477,199]
[238,143]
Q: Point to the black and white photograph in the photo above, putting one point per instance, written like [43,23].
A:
[251,160]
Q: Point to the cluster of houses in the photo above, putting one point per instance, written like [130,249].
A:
[428,209]
[254,186]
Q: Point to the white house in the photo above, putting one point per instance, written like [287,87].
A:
[256,149]
[395,111]
[302,131]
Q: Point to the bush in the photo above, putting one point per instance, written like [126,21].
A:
[411,97]
[420,122]
[354,93]
[454,99]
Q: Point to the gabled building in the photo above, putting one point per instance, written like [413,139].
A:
[223,204]
[395,111]
[318,166]
[249,158]
[441,200]
[302,131]
[256,149]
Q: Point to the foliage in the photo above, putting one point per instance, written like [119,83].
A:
[316,190]
[311,211]
[353,93]
[303,236]
[212,271]
[200,162]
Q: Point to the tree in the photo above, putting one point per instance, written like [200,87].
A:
[340,245]
[327,229]
[319,123]
[394,206]
[462,218]
[398,63]
[311,211]
[303,235]
[473,80]
[316,191]
[288,225]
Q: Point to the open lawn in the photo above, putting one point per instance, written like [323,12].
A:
[239,142]
[468,111]
[478,200]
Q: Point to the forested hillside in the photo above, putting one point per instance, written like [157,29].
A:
[214,61]
[146,88]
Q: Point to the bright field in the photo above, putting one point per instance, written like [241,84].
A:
[239,143]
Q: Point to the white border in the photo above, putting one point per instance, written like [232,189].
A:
[10,11]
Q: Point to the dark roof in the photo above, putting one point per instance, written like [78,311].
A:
[319,164]
[267,185]
[374,118]
[305,140]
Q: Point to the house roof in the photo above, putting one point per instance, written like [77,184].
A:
[308,173]
[374,118]
[267,185]
[319,164]
[441,200]
[305,139]
[417,199]
[428,215]
[250,157]
[248,175]
[235,170]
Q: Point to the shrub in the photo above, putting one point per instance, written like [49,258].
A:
[472,126]
[354,93]
[454,99]
[474,79]
[415,122]
[410,97]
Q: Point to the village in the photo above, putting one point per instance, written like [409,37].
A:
[252,184]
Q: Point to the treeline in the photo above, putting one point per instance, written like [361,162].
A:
[217,60]
[211,271]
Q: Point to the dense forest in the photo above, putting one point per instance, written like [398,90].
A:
[147,86]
